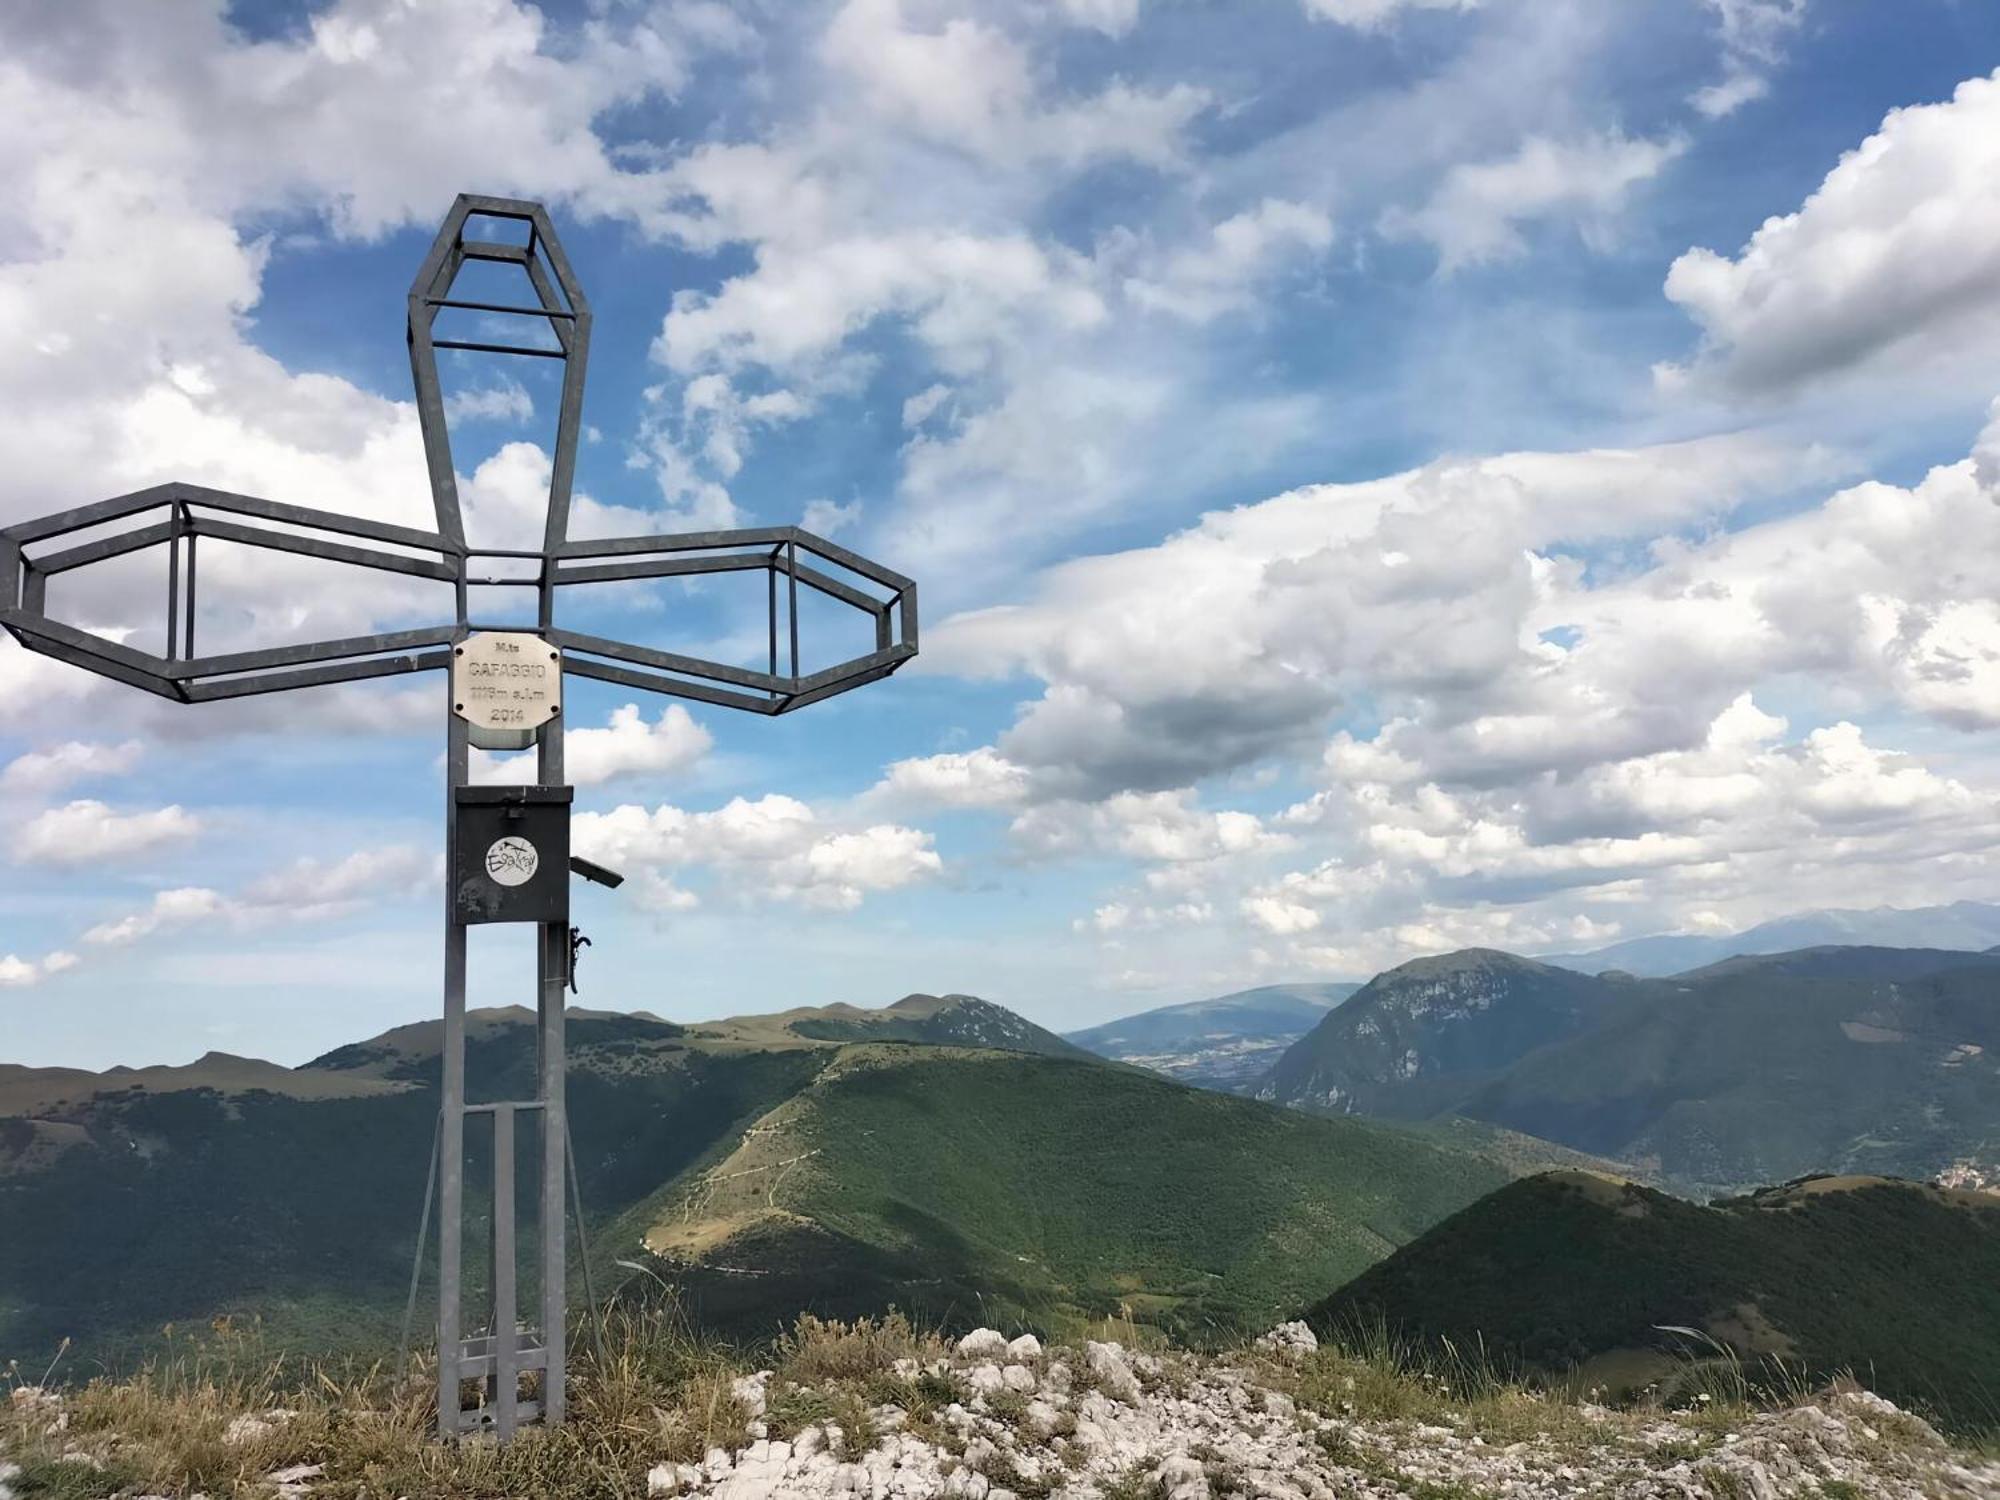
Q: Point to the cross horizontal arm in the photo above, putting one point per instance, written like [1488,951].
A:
[184,675]
[347,671]
[298,655]
[325,551]
[117,508]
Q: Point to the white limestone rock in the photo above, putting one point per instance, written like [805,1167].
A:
[1025,1350]
[1043,1417]
[294,1481]
[1180,1477]
[1113,1375]
[1293,1340]
[247,1429]
[749,1391]
[983,1343]
[985,1379]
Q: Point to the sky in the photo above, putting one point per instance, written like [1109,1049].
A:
[1384,476]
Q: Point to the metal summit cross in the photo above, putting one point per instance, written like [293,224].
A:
[507,848]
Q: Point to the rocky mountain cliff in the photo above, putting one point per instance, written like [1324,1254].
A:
[1417,1039]
[1754,1070]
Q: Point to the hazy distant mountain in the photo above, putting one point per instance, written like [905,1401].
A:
[1969,926]
[1416,1040]
[1226,1043]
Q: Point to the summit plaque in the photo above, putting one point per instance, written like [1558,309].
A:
[506,685]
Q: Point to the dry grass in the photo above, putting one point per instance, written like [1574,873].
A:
[661,1393]
[818,1350]
[1370,1375]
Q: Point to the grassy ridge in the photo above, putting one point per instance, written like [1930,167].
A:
[963,1183]
[1896,1282]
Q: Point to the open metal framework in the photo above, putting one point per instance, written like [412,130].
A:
[556,322]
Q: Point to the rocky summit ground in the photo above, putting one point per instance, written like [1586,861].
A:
[1109,1422]
[849,1410]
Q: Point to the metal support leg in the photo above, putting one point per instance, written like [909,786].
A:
[417,1260]
[553,945]
[506,1387]
[451,1128]
[583,1258]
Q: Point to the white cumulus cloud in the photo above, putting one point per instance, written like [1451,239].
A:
[86,832]
[1374,15]
[774,848]
[39,772]
[971,778]
[1891,265]
[1477,212]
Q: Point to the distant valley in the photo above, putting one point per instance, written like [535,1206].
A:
[1227,1043]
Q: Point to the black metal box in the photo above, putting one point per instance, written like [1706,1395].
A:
[511,854]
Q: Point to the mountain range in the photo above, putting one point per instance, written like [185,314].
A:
[1970,926]
[946,1156]
[941,1154]
[1754,1070]
[1232,1041]
[1227,1043]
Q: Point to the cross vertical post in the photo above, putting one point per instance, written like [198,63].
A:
[550,1075]
[451,1091]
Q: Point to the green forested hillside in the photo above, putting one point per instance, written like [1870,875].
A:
[1754,1070]
[171,1206]
[946,1020]
[921,1175]
[1756,1073]
[965,1183]
[1894,1281]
